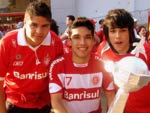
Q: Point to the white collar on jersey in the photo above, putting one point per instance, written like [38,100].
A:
[80,65]
[21,38]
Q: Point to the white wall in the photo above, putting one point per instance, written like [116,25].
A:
[97,9]
[60,9]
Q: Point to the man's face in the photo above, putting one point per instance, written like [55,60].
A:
[119,38]
[82,42]
[36,29]
[68,21]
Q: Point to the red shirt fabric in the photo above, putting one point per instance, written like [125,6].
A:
[139,101]
[101,35]
[80,84]
[26,69]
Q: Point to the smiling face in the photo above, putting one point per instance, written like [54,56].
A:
[82,42]
[119,39]
[36,30]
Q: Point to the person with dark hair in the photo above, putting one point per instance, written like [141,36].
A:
[64,36]
[76,79]
[69,21]
[101,23]
[121,42]
[142,32]
[25,57]
[54,27]
[100,32]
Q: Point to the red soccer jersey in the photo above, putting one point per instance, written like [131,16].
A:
[100,34]
[139,101]
[26,68]
[80,85]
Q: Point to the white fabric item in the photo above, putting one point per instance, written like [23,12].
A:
[130,74]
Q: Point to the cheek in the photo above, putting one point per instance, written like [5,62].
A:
[45,32]
[29,32]
[126,37]
[111,37]
[92,43]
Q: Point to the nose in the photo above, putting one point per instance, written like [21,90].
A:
[117,34]
[39,30]
[82,41]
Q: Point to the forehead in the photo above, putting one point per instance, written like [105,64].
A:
[37,19]
[67,18]
[81,31]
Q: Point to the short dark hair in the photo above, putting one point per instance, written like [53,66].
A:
[82,22]
[38,8]
[54,27]
[71,17]
[101,21]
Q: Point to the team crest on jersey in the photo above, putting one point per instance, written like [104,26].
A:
[95,80]
[47,60]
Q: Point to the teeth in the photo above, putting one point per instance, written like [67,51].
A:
[83,48]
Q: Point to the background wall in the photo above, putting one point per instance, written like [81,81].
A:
[97,9]
[60,9]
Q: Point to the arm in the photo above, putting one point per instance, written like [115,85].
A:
[109,97]
[63,37]
[2,98]
[57,103]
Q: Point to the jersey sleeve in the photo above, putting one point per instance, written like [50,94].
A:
[4,57]
[56,76]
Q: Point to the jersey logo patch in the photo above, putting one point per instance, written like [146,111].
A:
[47,60]
[17,63]
[95,80]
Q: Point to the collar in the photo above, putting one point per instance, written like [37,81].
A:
[22,41]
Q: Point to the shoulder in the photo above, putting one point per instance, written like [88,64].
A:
[9,37]
[55,38]
[58,61]
[102,47]
[96,59]
[62,60]
[11,34]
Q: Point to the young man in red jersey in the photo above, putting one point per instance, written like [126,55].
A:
[121,42]
[76,79]
[25,57]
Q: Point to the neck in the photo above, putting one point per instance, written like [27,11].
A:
[80,60]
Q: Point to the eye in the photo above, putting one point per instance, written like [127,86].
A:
[112,30]
[88,37]
[75,37]
[33,25]
[124,29]
[46,26]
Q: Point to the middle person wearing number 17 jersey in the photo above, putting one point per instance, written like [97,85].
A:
[76,78]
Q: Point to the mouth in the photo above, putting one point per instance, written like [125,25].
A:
[118,42]
[82,48]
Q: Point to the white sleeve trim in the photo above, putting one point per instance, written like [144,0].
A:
[53,88]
